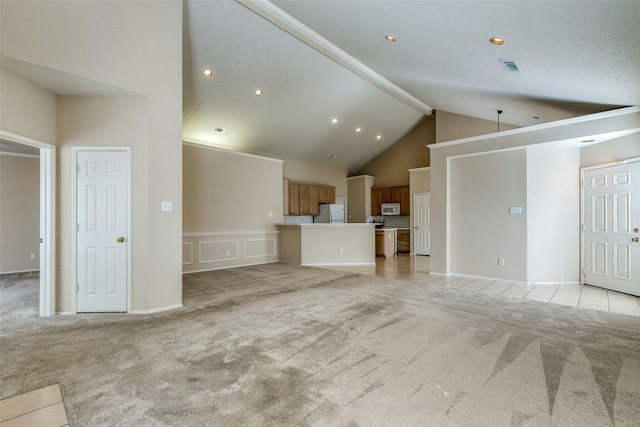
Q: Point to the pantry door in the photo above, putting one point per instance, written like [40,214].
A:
[611,209]
[422,224]
[102,230]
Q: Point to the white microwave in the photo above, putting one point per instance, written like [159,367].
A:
[390,209]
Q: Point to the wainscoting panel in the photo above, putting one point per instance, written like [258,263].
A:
[212,251]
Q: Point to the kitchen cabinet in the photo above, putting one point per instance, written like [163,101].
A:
[376,200]
[294,199]
[400,195]
[313,199]
[405,201]
[385,242]
[404,241]
[303,199]
[305,207]
[326,194]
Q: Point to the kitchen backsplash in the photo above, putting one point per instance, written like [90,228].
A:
[392,221]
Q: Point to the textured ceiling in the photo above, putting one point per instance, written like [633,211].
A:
[576,58]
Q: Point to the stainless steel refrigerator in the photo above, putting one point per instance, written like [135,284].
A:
[330,213]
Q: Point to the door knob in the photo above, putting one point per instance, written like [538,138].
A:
[120,239]
[635,239]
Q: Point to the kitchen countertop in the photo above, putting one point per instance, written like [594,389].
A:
[332,224]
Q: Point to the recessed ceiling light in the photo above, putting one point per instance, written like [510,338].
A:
[588,140]
[390,38]
[535,117]
[334,121]
[379,136]
[333,156]
[358,129]
[497,41]
[207,72]
[258,92]
[219,130]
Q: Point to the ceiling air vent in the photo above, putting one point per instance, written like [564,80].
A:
[219,130]
[510,65]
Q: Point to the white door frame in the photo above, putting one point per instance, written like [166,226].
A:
[74,231]
[47,305]
[582,206]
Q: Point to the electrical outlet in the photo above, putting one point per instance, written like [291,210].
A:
[500,261]
[166,207]
[340,251]
[270,214]
[33,256]
[228,253]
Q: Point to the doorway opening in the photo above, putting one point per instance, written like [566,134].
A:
[47,243]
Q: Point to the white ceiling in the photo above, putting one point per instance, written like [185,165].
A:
[319,60]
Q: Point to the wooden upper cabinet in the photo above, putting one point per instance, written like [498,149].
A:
[331,194]
[326,194]
[405,201]
[386,195]
[400,195]
[305,199]
[376,199]
[313,199]
[294,199]
[395,194]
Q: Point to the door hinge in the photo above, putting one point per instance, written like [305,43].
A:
[584,183]
[77,167]
[584,227]
[77,287]
[77,227]
[584,271]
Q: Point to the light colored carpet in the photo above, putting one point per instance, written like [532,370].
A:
[287,345]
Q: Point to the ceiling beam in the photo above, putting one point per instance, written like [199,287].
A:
[286,22]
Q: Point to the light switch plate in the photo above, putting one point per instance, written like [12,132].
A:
[515,210]
[167,206]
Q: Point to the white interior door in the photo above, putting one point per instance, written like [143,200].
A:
[422,224]
[102,197]
[611,207]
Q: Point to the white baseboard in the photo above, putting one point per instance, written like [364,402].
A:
[230,266]
[335,264]
[157,310]
[20,271]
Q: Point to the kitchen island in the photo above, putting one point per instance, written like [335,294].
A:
[327,244]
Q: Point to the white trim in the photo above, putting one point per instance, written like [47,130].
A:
[517,282]
[360,176]
[271,239]
[47,298]
[200,261]
[156,310]
[7,153]
[190,244]
[286,22]
[208,145]
[542,126]
[582,205]
[426,168]
[230,266]
[74,178]
[412,243]
[226,233]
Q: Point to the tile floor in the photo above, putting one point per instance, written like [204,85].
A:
[416,268]
[42,407]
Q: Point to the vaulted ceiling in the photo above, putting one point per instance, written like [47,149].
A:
[316,61]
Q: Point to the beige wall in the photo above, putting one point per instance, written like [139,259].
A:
[359,201]
[315,173]
[483,187]
[553,215]
[451,126]
[442,154]
[627,147]
[19,213]
[227,199]
[391,167]
[144,59]
[327,244]
[27,109]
